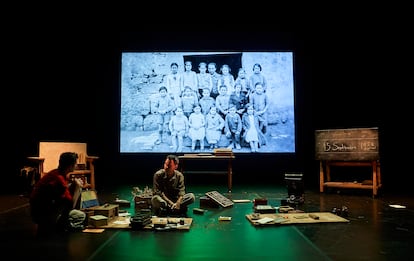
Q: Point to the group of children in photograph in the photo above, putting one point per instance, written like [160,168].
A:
[207,104]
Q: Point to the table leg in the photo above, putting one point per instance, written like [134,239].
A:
[230,176]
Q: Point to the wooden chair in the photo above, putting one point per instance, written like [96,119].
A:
[48,159]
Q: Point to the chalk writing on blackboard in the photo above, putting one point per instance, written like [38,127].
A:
[347,144]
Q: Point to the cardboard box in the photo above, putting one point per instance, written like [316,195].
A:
[98,220]
[259,201]
[108,210]
[142,202]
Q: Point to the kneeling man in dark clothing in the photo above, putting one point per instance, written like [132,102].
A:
[51,203]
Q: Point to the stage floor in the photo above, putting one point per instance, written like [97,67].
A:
[375,230]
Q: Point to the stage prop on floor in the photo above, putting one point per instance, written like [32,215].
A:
[258,219]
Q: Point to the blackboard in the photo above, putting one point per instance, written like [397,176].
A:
[357,144]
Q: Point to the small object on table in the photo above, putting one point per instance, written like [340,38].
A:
[316,217]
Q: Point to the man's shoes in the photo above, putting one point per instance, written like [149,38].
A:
[182,212]
[168,212]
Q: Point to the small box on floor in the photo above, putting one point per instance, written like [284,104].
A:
[98,220]
[89,214]
[108,210]
[142,202]
[140,220]
[259,201]
[206,202]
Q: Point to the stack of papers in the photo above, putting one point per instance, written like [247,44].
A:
[264,220]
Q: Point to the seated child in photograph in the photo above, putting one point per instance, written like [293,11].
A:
[214,127]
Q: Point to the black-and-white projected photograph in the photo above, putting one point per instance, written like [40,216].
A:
[196,102]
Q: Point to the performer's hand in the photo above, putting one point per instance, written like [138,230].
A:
[175,206]
[79,182]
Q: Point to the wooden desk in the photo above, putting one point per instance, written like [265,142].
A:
[193,157]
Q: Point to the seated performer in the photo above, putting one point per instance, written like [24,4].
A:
[170,197]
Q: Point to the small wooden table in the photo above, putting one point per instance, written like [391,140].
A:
[193,157]
[325,175]
[353,147]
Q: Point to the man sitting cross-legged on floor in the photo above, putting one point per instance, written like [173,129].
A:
[170,197]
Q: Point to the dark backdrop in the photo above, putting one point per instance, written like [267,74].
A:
[65,86]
